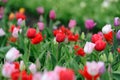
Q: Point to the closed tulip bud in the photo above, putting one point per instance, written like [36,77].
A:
[116,21]
[32,68]
[118,35]
[22,10]
[11,16]
[12,54]
[110,57]
[52,15]
[2,33]
[83,35]
[60,37]
[89,47]
[22,66]
[72,23]
[106,29]
[40,26]
[40,10]
[38,65]
[89,24]
[100,45]
[103,57]
[31,33]
[96,37]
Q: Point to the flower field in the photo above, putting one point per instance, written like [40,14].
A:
[44,48]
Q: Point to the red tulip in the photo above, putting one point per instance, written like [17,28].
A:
[20,15]
[109,37]
[73,37]
[96,37]
[67,74]
[31,32]
[60,37]
[37,39]
[80,52]
[100,45]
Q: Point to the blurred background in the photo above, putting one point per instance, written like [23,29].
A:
[101,11]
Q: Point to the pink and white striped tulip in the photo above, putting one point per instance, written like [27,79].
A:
[33,68]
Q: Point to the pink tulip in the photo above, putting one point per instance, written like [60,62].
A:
[89,47]
[89,24]
[40,26]
[52,75]
[52,15]
[40,10]
[12,54]
[1,12]
[33,68]
[15,32]
[8,69]
[37,76]
[19,22]
[2,33]
[72,23]
[58,69]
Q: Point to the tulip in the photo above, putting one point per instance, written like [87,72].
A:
[12,54]
[60,37]
[72,23]
[92,68]
[118,35]
[22,66]
[2,33]
[72,37]
[37,39]
[96,37]
[89,47]
[52,15]
[40,26]
[50,76]
[22,10]
[33,68]
[58,69]
[1,12]
[7,69]
[67,74]
[31,33]
[100,45]
[40,10]
[37,76]
[20,16]
[101,67]
[89,24]
[11,16]
[110,57]
[19,21]
[80,52]
[116,21]
[106,29]
[15,32]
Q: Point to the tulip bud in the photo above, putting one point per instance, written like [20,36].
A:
[22,66]
[116,21]
[103,57]
[38,65]
[89,24]
[11,16]
[72,23]
[12,54]
[110,57]
[40,26]
[32,68]
[22,10]
[40,10]
[52,15]
[2,33]
[118,35]
[31,33]
[83,35]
